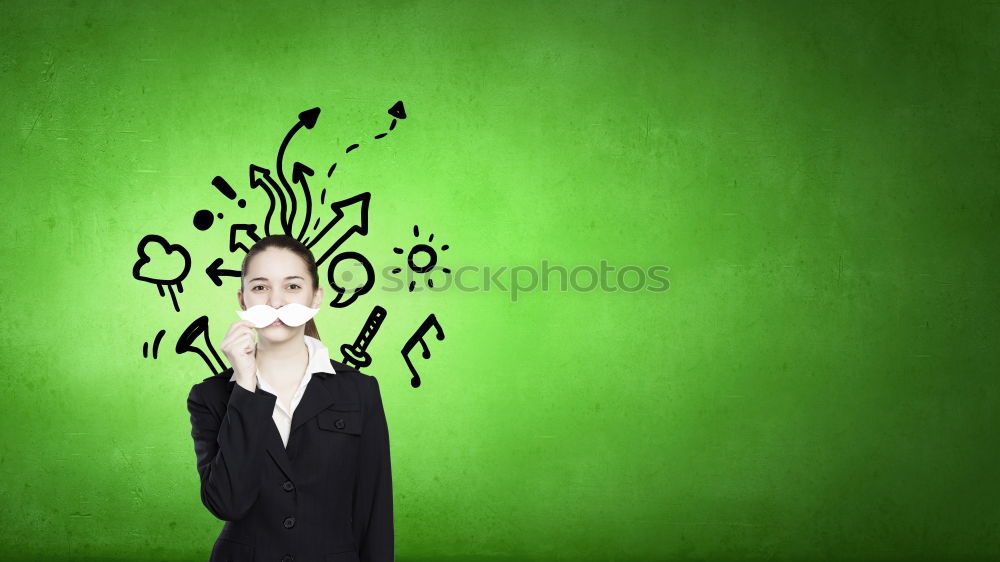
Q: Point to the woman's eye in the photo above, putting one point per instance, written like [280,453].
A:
[294,285]
[257,287]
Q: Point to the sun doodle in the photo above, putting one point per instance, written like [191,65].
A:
[424,254]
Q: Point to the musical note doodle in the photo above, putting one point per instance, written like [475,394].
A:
[418,337]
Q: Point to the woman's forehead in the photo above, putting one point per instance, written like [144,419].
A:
[275,265]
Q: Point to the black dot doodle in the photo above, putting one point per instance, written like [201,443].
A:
[203,219]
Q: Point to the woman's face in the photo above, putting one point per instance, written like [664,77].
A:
[277,277]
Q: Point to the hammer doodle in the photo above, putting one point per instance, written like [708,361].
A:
[292,208]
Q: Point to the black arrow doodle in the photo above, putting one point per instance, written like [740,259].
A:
[360,226]
[216,273]
[261,177]
[234,231]
[299,173]
[307,119]
[397,111]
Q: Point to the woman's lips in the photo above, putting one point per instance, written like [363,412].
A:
[276,323]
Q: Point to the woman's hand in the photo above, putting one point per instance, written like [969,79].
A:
[240,349]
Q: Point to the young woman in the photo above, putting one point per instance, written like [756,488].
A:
[292,447]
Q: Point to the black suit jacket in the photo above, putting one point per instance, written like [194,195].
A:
[326,498]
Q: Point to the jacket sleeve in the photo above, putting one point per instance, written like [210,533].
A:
[230,451]
[372,512]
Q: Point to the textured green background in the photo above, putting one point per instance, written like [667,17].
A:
[821,180]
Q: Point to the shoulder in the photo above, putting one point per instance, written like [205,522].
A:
[366,386]
[212,387]
[347,371]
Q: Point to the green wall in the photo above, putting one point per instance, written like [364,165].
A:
[820,180]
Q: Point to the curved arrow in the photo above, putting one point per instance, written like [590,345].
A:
[299,173]
[261,177]
[307,119]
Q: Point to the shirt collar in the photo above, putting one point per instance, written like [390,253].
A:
[319,358]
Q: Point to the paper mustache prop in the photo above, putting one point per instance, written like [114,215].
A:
[292,314]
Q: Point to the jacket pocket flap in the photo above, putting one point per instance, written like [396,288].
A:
[332,419]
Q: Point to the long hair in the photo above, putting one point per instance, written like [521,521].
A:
[285,242]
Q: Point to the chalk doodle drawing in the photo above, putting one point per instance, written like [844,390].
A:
[323,227]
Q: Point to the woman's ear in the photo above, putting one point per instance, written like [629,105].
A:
[317,297]
[239,299]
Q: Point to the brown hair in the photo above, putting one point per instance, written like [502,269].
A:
[285,242]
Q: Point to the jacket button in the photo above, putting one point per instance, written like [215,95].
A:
[339,424]
[288,486]
[288,558]
[289,522]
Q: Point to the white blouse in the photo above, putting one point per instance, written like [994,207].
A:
[319,362]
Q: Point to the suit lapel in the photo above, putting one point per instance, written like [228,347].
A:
[273,444]
[317,397]
[276,449]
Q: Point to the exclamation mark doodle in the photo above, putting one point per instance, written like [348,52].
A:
[223,186]
[204,218]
